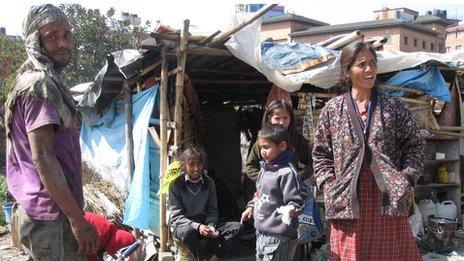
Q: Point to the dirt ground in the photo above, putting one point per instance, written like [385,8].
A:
[8,251]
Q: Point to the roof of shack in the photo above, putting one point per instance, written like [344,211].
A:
[216,74]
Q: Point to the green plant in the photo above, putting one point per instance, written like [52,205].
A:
[4,198]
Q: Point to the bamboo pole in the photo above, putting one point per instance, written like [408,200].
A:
[181,61]
[345,40]
[227,34]
[163,147]
[128,126]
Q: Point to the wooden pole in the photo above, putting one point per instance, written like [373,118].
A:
[227,34]
[181,60]
[163,147]
[128,127]
[461,108]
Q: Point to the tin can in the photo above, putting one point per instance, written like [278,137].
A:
[442,174]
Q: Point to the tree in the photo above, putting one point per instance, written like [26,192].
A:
[95,36]
[12,55]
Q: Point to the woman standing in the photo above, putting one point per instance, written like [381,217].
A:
[367,157]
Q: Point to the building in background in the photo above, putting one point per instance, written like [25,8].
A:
[133,19]
[404,29]
[11,37]
[455,38]
[253,8]
[280,27]
[276,24]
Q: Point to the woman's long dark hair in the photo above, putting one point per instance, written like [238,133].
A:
[347,58]
[280,104]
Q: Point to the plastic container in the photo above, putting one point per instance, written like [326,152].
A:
[427,208]
[447,209]
[442,174]
[8,209]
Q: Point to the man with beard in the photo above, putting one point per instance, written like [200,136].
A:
[43,155]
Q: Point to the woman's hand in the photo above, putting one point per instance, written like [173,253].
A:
[246,215]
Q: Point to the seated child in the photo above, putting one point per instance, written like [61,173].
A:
[277,200]
[194,211]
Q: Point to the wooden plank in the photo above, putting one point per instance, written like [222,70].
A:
[324,95]
[209,51]
[176,36]
[210,38]
[399,88]
[151,67]
[414,101]
[154,135]
[447,133]
[196,49]
[451,128]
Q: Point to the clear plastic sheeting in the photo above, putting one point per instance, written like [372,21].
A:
[245,45]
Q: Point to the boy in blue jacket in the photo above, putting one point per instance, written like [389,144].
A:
[277,200]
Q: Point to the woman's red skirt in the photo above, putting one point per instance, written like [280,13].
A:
[373,236]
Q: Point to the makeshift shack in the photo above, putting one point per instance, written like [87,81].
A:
[198,86]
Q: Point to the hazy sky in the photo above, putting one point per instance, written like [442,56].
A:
[212,15]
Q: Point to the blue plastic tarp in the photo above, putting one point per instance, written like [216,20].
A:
[291,56]
[104,147]
[429,80]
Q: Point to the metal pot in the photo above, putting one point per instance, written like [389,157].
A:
[442,232]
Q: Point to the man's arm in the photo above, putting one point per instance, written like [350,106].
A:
[51,175]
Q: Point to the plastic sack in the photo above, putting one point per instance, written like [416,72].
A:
[172,173]
[310,226]
[415,221]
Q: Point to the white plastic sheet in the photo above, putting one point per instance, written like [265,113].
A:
[245,45]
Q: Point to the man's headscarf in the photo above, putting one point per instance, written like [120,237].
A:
[37,75]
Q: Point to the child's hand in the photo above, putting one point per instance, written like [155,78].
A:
[246,215]
[207,231]
[292,213]
[214,232]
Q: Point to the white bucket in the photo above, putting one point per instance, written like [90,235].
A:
[427,208]
[447,209]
